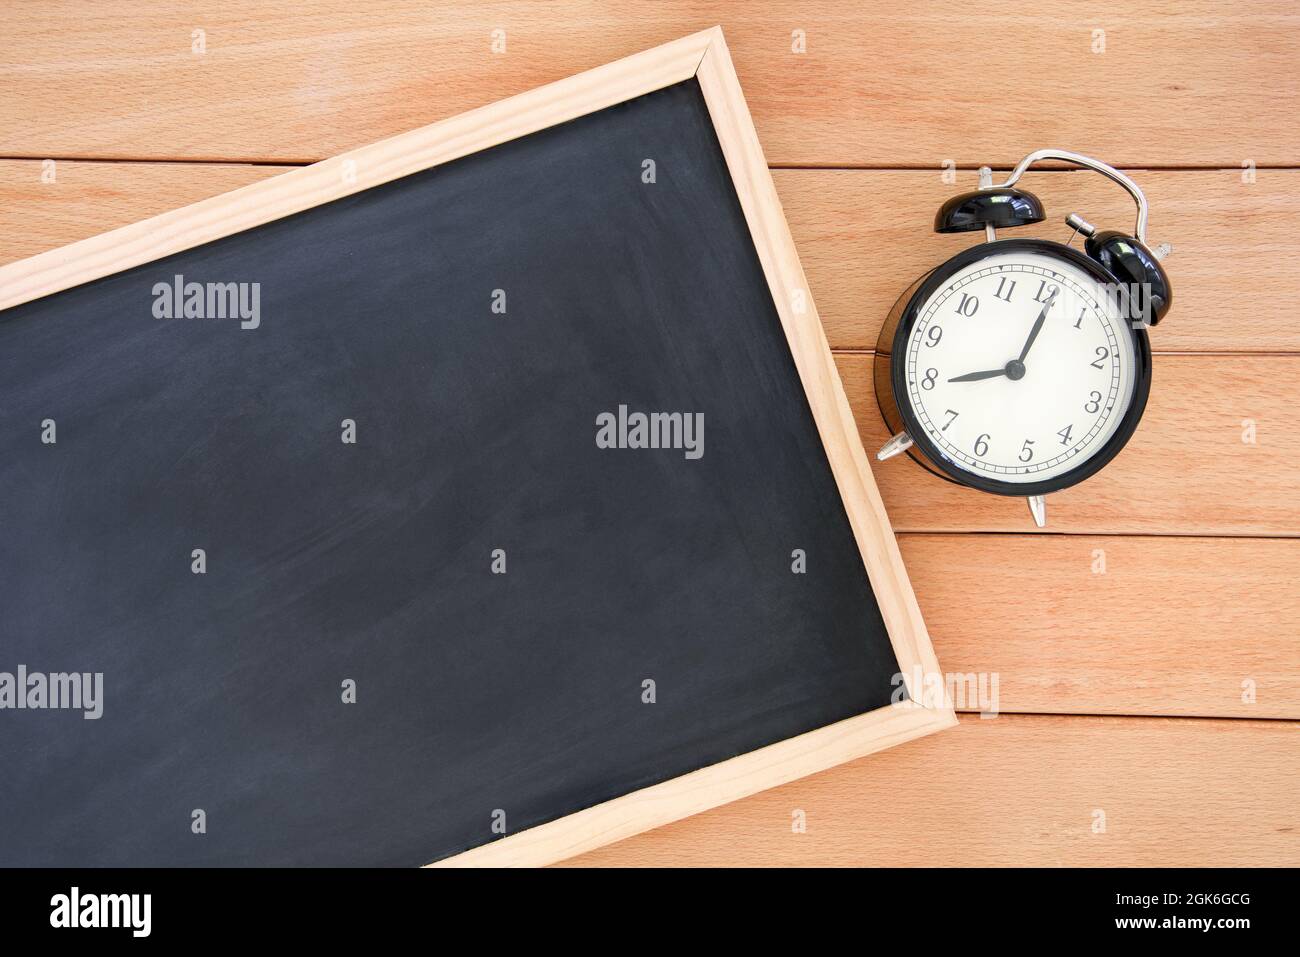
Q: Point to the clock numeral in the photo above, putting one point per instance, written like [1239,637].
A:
[969,305]
[1079,322]
[1102,354]
[982,444]
[933,335]
[927,382]
[1009,285]
[1094,402]
[1065,432]
[950,421]
[1043,293]
[1026,452]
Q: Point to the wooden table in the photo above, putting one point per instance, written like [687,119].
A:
[1147,643]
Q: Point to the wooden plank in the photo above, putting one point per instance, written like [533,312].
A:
[1018,791]
[38,213]
[362,168]
[1186,470]
[840,232]
[864,236]
[1115,625]
[878,84]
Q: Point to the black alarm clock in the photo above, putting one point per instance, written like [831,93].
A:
[1022,366]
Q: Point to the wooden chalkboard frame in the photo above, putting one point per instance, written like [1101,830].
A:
[703,56]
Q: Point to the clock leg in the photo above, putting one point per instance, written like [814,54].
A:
[1038,509]
[899,443]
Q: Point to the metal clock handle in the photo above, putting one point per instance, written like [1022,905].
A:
[1087,162]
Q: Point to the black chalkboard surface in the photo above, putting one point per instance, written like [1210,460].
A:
[431,602]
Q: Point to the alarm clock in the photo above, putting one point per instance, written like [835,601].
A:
[1022,366]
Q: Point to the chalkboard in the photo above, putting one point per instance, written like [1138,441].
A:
[443,513]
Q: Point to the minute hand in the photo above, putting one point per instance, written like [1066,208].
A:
[1038,325]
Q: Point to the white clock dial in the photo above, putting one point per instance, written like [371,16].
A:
[1007,418]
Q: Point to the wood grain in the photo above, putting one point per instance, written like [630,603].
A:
[857,259]
[865,235]
[1018,790]
[86,199]
[1116,624]
[1180,82]
[359,169]
[1186,471]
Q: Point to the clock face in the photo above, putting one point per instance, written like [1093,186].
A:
[1020,369]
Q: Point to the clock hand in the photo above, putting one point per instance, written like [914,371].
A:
[976,376]
[1038,324]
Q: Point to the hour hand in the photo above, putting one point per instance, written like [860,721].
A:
[976,376]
